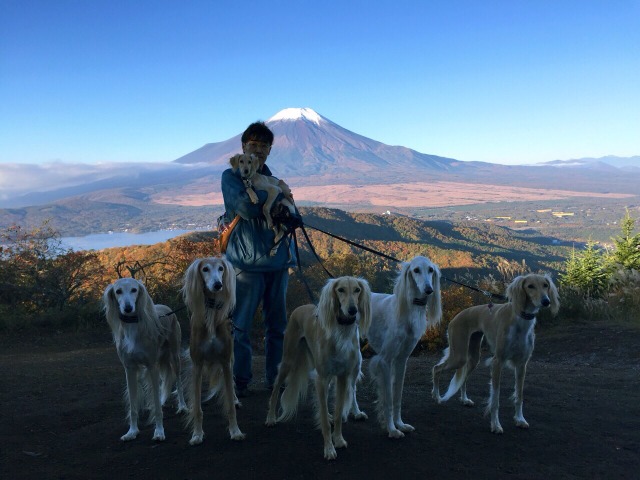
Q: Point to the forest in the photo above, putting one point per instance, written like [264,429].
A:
[43,285]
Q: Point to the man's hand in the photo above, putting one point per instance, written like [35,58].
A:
[286,191]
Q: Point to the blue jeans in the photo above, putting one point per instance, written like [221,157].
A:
[271,289]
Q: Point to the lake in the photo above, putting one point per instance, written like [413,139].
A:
[98,241]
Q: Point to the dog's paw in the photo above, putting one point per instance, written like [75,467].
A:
[252,196]
[158,435]
[236,434]
[271,421]
[467,402]
[521,423]
[497,429]
[395,434]
[130,435]
[436,396]
[340,442]
[360,416]
[330,452]
[405,427]
[196,439]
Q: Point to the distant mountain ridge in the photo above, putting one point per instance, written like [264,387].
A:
[610,163]
[324,163]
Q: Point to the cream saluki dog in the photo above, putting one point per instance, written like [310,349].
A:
[398,321]
[209,291]
[247,166]
[147,338]
[324,338]
[509,331]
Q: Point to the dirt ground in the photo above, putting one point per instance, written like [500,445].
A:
[62,416]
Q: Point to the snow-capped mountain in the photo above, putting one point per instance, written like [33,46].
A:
[308,144]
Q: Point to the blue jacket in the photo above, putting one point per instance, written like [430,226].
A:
[251,240]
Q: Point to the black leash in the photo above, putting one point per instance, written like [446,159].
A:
[304,280]
[173,311]
[380,254]
[355,244]
[486,293]
[313,250]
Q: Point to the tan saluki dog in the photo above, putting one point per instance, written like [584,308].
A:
[509,331]
[324,338]
[209,291]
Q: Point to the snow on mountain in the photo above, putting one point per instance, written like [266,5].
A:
[297,114]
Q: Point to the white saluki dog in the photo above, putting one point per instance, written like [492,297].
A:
[324,338]
[398,321]
[147,339]
[209,291]
[509,331]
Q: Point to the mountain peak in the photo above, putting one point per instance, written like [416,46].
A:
[297,114]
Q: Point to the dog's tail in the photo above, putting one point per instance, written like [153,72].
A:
[297,383]
[456,383]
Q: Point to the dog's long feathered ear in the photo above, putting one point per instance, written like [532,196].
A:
[364,307]
[233,161]
[402,279]
[327,305]
[434,302]
[192,291]
[144,303]
[401,288]
[553,296]
[229,284]
[109,301]
[516,294]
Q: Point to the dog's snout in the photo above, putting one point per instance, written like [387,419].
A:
[546,302]
[217,286]
[353,310]
[428,290]
[128,308]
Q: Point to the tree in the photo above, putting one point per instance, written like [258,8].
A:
[585,271]
[70,277]
[37,273]
[626,251]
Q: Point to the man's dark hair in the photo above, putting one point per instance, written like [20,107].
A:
[258,132]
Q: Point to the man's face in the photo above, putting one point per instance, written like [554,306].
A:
[261,150]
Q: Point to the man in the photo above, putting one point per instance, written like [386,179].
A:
[261,275]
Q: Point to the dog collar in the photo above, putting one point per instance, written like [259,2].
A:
[527,316]
[420,301]
[213,305]
[128,318]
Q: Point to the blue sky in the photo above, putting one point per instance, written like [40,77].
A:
[514,81]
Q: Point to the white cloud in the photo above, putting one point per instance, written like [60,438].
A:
[18,179]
